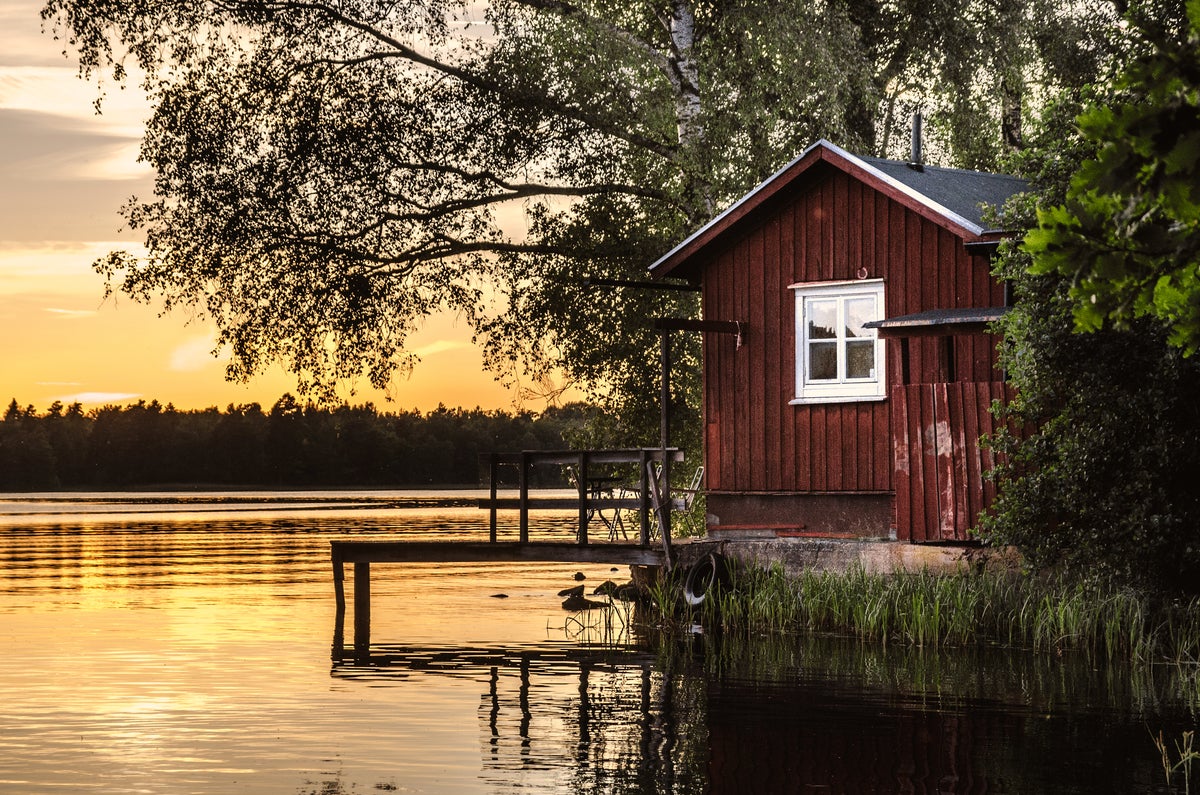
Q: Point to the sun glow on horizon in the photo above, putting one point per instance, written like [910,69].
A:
[64,173]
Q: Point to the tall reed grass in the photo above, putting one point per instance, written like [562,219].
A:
[933,610]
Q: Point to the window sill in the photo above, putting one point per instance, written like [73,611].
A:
[809,401]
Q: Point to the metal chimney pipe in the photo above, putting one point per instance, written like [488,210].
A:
[918,158]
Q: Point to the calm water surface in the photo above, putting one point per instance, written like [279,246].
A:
[166,643]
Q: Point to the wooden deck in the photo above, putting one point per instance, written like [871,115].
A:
[595,494]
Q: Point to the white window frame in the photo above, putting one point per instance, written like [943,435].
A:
[840,389]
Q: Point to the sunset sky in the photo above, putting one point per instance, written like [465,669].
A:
[64,173]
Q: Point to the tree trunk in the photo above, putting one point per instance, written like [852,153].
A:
[688,118]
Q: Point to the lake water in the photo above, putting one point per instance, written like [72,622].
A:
[185,643]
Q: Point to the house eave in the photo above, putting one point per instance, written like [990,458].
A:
[821,151]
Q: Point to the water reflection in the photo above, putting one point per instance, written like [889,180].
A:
[193,654]
[800,715]
[610,719]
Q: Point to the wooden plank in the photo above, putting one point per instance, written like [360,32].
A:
[928,482]
[835,462]
[840,228]
[818,463]
[789,246]
[996,390]
[943,452]
[938,281]
[902,445]
[756,363]
[853,225]
[962,448]
[558,503]
[741,384]
[827,269]
[881,262]
[366,552]
[726,372]
[775,296]
[865,444]
[711,351]
[974,403]
[884,478]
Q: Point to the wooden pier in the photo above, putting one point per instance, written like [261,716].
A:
[363,553]
[595,495]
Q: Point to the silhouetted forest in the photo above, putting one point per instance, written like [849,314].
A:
[292,444]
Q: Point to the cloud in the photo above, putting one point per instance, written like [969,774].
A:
[57,274]
[71,314]
[98,397]
[440,346]
[192,355]
[41,146]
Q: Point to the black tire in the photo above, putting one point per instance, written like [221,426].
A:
[702,578]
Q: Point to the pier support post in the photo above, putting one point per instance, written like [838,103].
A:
[339,593]
[493,472]
[584,513]
[362,606]
[523,479]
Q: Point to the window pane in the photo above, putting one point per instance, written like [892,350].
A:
[860,359]
[822,361]
[859,311]
[822,320]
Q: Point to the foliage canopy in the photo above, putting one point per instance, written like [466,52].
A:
[1099,482]
[1128,233]
[329,173]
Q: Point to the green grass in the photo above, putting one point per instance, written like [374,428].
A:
[931,610]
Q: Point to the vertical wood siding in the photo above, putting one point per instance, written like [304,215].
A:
[940,465]
[836,225]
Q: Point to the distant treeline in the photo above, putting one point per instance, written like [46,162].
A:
[292,444]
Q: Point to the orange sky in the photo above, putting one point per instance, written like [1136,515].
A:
[64,172]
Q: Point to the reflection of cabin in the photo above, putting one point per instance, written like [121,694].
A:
[853,403]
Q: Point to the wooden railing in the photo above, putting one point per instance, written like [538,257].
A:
[591,496]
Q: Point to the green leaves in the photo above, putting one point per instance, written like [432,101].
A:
[1128,237]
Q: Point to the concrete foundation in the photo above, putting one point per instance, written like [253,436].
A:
[840,555]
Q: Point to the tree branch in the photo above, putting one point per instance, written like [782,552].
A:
[400,50]
[571,11]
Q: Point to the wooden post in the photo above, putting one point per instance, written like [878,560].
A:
[644,496]
[523,479]
[362,606]
[493,469]
[339,576]
[582,536]
[339,593]
[664,521]
[662,510]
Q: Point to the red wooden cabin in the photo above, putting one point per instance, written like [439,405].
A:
[852,402]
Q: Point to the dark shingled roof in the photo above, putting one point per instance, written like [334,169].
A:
[960,191]
[951,197]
